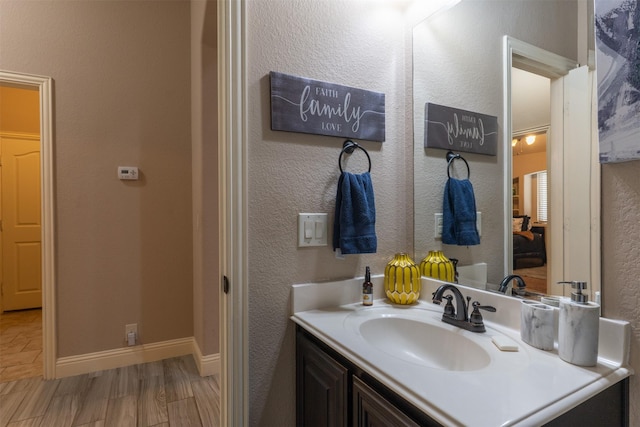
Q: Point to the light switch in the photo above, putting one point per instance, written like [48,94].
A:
[312,229]
[438,226]
[308,230]
[320,226]
[439,222]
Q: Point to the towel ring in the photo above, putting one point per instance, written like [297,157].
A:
[348,147]
[451,156]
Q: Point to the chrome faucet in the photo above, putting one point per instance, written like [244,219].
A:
[460,315]
[505,284]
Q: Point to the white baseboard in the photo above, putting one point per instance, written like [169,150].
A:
[207,365]
[117,358]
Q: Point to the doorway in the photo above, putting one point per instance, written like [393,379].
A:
[531,119]
[20,234]
[36,159]
[531,225]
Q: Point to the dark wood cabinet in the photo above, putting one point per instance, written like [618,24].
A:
[322,387]
[332,391]
[371,409]
[608,408]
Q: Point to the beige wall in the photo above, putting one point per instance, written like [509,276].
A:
[121,73]
[353,43]
[525,164]
[528,163]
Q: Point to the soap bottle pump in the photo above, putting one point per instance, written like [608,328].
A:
[578,327]
[367,288]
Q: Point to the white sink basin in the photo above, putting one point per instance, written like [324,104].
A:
[424,343]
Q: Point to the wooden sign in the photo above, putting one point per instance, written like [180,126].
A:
[311,106]
[460,130]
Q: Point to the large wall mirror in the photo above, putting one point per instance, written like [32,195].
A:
[468,57]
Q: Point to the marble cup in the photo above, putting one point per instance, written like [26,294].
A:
[578,329]
[551,300]
[537,325]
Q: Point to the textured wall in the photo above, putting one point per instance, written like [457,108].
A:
[355,43]
[462,68]
[121,78]
[620,266]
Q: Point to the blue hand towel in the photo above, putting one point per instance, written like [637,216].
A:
[354,229]
[459,214]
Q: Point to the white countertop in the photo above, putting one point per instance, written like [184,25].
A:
[528,387]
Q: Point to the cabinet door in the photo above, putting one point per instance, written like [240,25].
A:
[371,409]
[608,408]
[321,387]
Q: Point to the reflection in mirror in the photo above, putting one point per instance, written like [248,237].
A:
[530,215]
[459,62]
[571,232]
[531,115]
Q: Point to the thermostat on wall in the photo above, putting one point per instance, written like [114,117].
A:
[128,172]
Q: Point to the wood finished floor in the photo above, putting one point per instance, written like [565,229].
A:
[534,277]
[167,393]
[20,344]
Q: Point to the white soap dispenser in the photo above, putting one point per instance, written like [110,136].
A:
[578,327]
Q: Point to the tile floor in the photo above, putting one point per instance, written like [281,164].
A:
[168,393]
[20,344]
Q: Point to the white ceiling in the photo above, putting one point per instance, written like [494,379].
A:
[530,106]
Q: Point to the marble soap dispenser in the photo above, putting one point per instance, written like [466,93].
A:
[578,328]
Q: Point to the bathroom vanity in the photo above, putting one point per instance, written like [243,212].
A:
[396,365]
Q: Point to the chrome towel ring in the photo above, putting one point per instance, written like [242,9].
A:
[451,156]
[348,147]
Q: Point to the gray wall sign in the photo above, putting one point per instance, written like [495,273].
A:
[303,105]
[460,130]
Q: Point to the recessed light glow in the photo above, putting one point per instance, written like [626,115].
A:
[530,139]
[420,10]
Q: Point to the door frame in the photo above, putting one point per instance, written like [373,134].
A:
[44,86]
[233,200]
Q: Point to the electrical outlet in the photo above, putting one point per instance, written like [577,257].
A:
[131,329]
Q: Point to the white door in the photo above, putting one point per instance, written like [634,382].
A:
[570,203]
[21,222]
